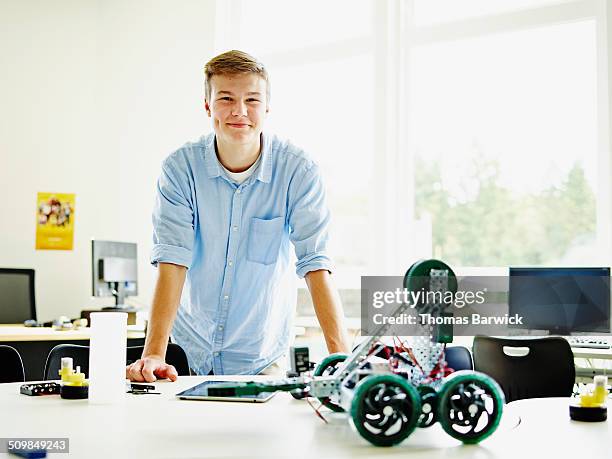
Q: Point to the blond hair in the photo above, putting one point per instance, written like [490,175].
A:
[231,63]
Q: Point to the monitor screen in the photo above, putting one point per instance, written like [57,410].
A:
[114,270]
[17,302]
[561,300]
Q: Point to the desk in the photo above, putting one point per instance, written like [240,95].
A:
[586,353]
[162,426]
[34,344]
[547,431]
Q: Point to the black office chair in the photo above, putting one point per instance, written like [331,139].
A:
[175,355]
[527,368]
[458,358]
[11,365]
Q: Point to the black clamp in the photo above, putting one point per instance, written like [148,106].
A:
[142,389]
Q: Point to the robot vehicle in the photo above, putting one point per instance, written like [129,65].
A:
[410,386]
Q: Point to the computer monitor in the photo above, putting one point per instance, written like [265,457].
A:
[114,270]
[561,300]
[17,299]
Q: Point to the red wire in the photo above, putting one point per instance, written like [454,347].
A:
[433,375]
[411,354]
[316,410]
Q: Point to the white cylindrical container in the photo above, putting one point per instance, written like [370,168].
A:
[107,357]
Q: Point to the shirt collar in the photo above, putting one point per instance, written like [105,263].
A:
[264,171]
[213,168]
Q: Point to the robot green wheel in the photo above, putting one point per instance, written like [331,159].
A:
[429,406]
[385,409]
[470,406]
[328,367]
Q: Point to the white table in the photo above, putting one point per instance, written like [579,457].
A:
[154,426]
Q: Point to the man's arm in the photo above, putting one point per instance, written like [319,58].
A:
[328,308]
[166,299]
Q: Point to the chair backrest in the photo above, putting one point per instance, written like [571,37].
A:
[79,354]
[11,365]
[458,358]
[175,355]
[527,368]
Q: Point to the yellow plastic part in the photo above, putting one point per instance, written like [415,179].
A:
[65,373]
[598,396]
[72,378]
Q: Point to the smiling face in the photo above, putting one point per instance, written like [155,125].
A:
[238,106]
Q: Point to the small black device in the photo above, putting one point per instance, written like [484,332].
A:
[300,364]
[140,389]
[300,360]
[136,386]
[35,389]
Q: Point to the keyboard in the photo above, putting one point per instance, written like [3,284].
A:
[590,342]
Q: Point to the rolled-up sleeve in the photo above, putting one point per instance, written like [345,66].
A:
[173,218]
[309,220]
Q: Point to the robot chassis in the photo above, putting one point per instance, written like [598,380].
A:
[386,399]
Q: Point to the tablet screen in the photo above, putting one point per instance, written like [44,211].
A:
[200,392]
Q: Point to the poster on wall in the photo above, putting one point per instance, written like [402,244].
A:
[54,221]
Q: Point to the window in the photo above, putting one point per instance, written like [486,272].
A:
[506,146]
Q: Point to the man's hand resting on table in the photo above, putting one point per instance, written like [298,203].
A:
[149,369]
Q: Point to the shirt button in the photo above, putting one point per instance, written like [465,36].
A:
[235,228]
[238,191]
[226,297]
[230,263]
[220,327]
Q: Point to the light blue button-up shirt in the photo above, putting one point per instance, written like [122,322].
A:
[235,314]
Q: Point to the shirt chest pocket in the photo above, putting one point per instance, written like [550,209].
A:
[264,239]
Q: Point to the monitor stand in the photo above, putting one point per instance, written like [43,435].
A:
[120,308]
[120,305]
[560,332]
[119,294]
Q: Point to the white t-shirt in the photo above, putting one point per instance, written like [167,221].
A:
[240,177]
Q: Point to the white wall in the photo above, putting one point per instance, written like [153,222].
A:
[155,91]
[94,95]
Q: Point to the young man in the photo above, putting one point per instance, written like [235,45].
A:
[227,209]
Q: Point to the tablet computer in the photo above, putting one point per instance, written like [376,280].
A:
[200,392]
